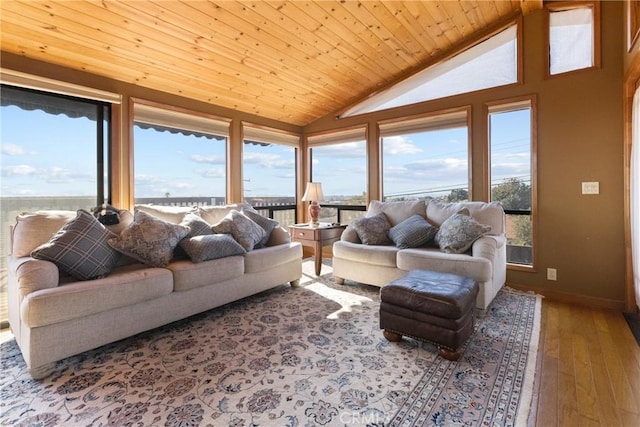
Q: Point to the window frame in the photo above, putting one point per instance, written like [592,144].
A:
[265,134]
[568,5]
[170,116]
[345,135]
[432,121]
[514,104]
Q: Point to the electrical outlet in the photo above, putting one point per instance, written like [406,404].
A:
[591,187]
[552,274]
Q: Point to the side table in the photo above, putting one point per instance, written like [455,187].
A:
[316,237]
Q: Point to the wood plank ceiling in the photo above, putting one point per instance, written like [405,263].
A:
[293,61]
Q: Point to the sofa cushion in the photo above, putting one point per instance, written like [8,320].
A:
[476,268]
[412,232]
[397,211]
[188,275]
[211,246]
[242,228]
[35,228]
[384,256]
[149,240]
[265,259]
[126,285]
[215,214]
[267,224]
[491,214]
[172,214]
[80,248]
[373,230]
[458,232]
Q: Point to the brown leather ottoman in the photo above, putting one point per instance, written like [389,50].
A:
[434,307]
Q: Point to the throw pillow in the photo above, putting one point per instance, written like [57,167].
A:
[413,232]
[149,240]
[373,230]
[244,230]
[80,248]
[458,232]
[197,225]
[267,224]
[211,246]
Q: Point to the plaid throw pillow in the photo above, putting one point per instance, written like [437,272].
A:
[80,248]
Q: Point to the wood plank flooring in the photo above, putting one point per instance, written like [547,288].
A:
[589,368]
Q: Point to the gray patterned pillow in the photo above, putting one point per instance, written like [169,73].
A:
[413,232]
[373,230]
[149,240]
[267,224]
[198,226]
[458,232]
[211,246]
[244,230]
[80,248]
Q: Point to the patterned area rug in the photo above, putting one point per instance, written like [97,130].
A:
[304,356]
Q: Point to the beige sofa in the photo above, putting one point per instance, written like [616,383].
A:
[54,316]
[485,261]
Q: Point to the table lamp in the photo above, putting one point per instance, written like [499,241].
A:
[313,194]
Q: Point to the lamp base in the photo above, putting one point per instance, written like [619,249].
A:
[314,213]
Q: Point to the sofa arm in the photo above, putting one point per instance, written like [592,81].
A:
[350,235]
[279,236]
[33,274]
[486,246]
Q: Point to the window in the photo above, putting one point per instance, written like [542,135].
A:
[512,176]
[180,158]
[426,157]
[338,161]
[573,37]
[269,171]
[55,155]
[492,63]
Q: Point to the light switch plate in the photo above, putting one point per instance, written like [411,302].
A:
[591,187]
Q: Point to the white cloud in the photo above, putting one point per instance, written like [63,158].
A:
[399,145]
[352,150]
[214,160]
[269,161]
[211,173]
[12,150]
[18,170]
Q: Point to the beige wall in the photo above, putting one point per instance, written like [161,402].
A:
[580,134]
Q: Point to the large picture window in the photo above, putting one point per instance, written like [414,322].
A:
[426,157]
[269,171]
[511,140]
[55,155]
[338,161]
[180,158]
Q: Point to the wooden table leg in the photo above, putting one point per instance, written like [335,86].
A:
[318,257]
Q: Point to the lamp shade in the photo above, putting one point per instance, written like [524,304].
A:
[313,192]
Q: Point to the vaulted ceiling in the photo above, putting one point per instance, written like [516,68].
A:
[293,61]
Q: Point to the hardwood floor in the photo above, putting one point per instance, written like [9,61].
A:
[589,368]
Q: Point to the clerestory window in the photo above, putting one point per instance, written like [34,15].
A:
[493,62]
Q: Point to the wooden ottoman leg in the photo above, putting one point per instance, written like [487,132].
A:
[448,354]
[391,336]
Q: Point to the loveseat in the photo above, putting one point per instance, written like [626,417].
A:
[55,314]
[415,235]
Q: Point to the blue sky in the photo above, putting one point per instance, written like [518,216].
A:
[49,155]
